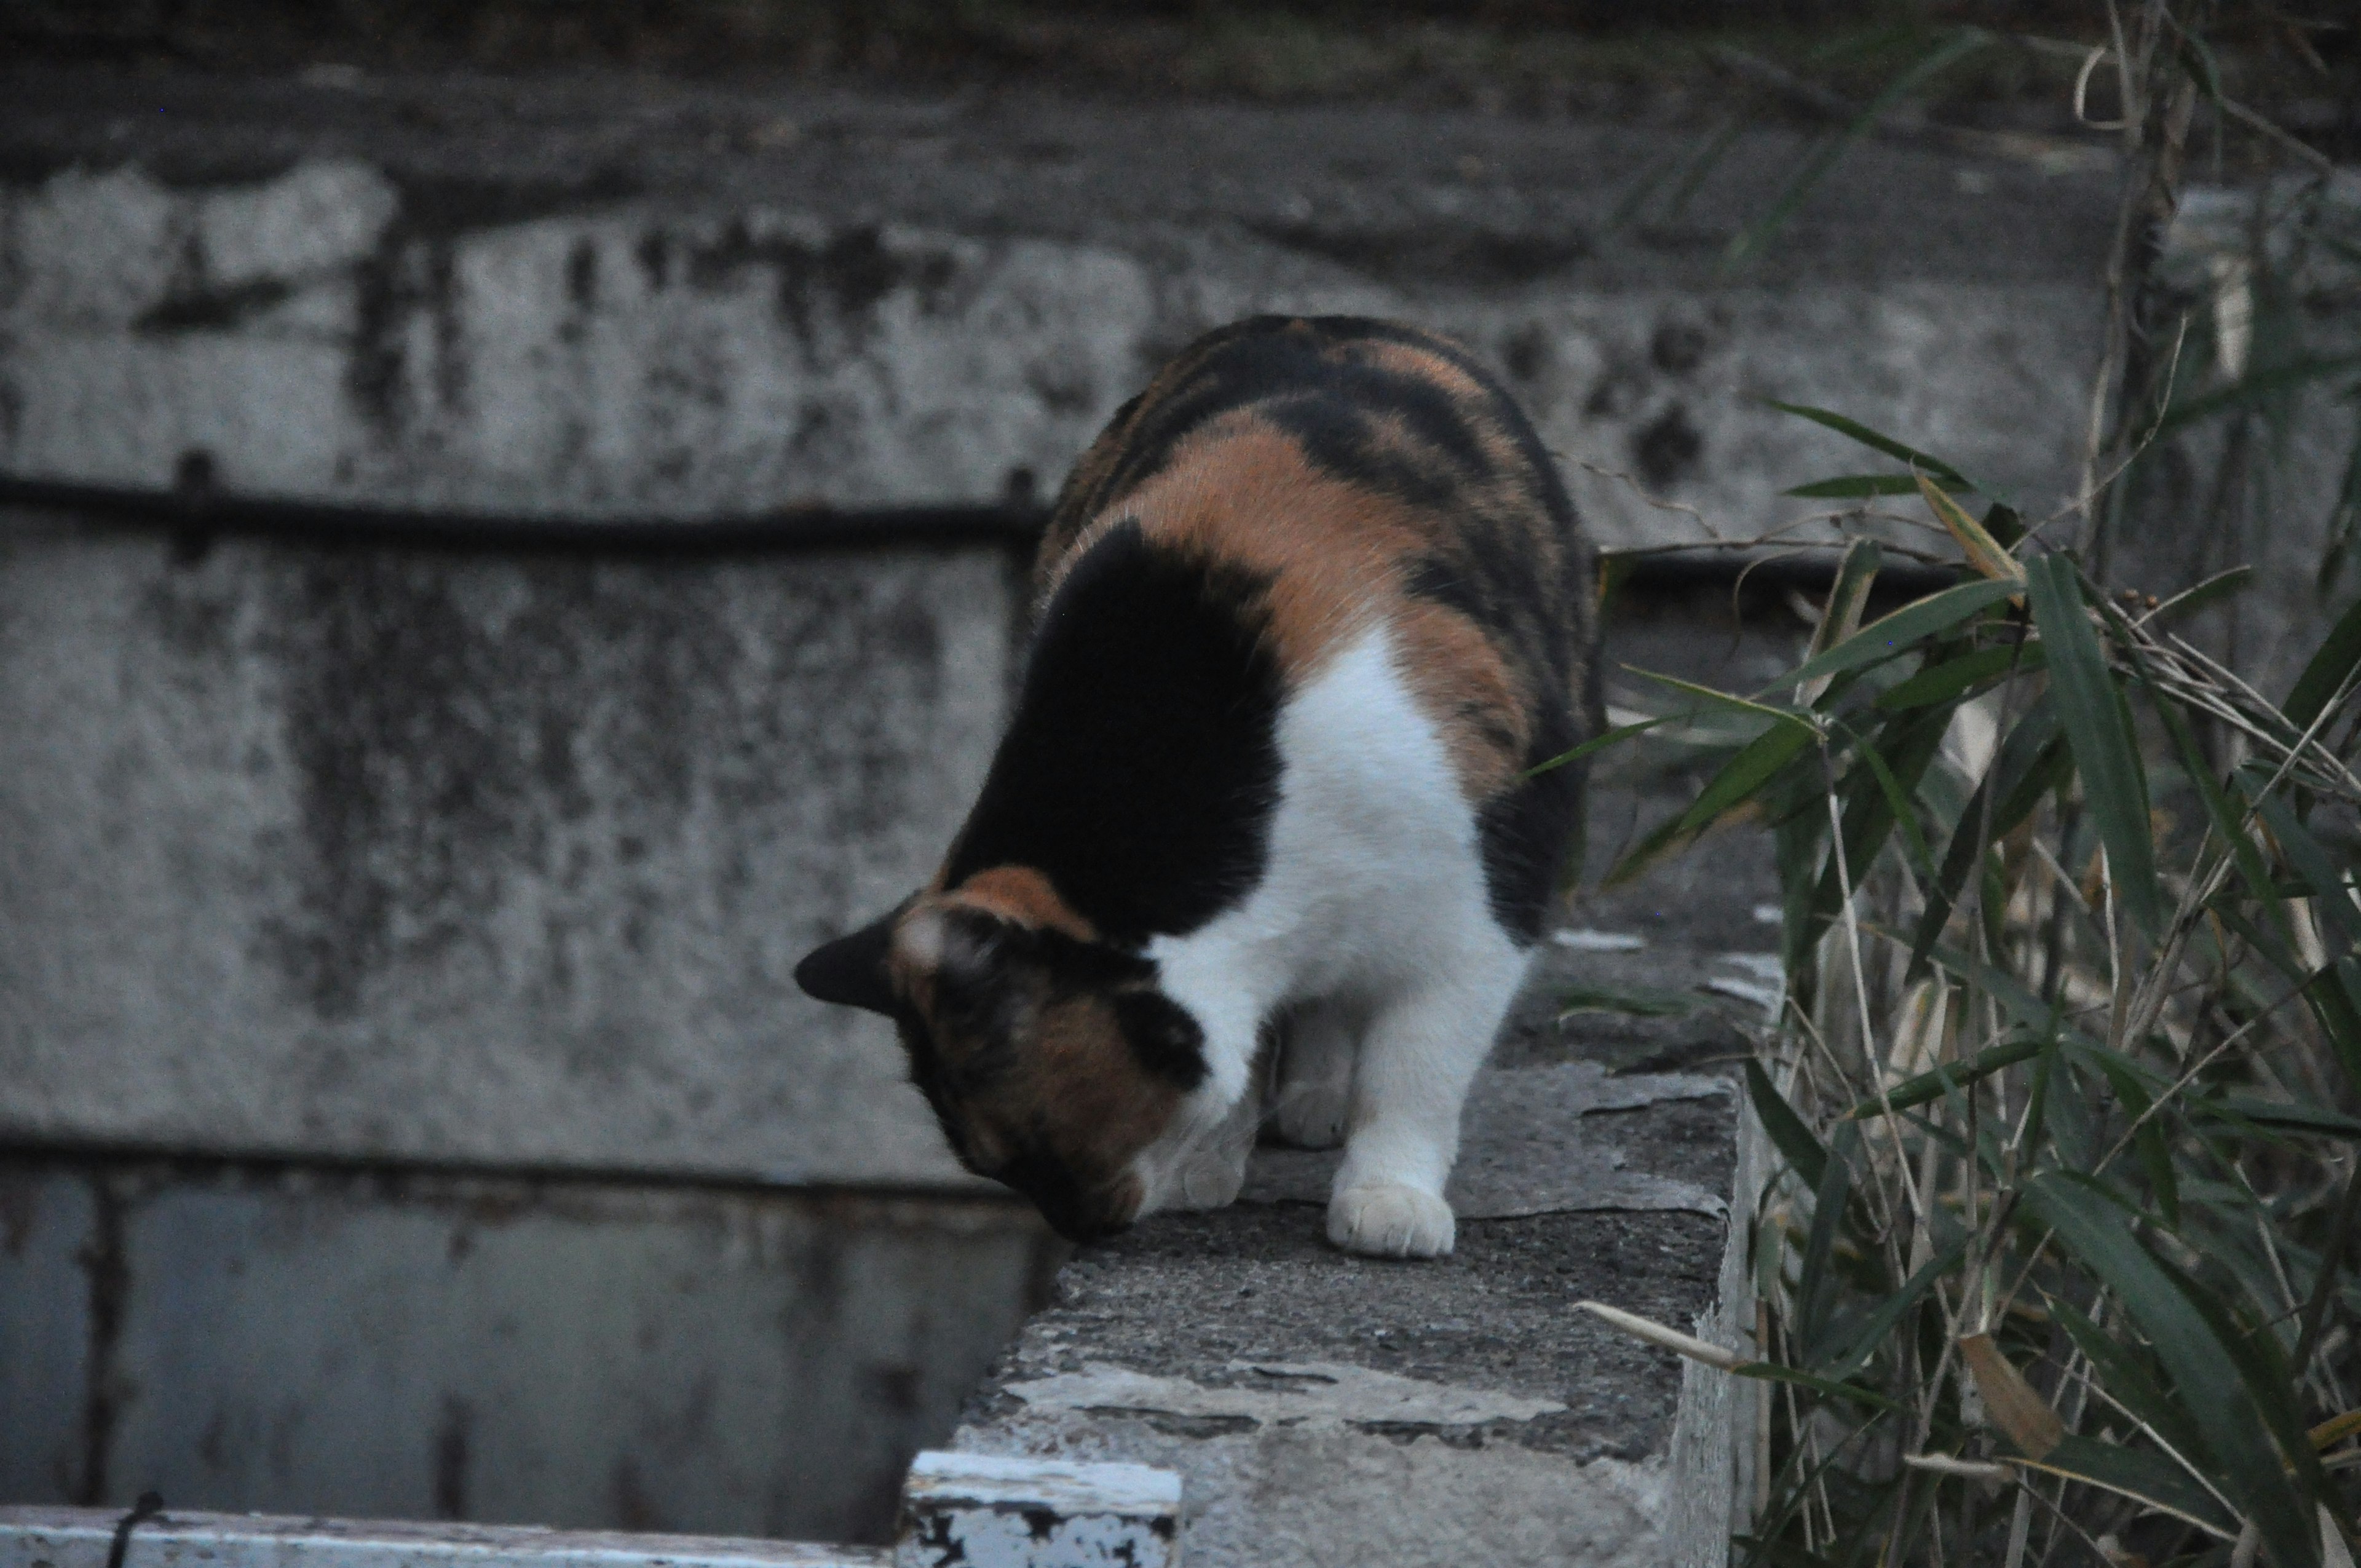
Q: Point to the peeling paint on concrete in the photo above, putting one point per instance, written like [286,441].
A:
[989,1511]
[1320,1393]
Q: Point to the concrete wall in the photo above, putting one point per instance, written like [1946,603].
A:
[390,853]
[412,1346]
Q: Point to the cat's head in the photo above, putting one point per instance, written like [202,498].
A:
[1053,1061]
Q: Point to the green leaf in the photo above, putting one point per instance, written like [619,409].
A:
[2098,729]
[2204,1370]
[1637,1004]
[2123,1371]
[1598,743]
[1892,635]
[1775,713]
[2135,1473]
[1877,442]
[2280,1116]
[1786,1130]
[2015,998]
[1936,1084]
[1816,1283]
[1878,1326]
[1746,771]
[1940,682]
[2328,670]
[1857,487]
[1771,1371]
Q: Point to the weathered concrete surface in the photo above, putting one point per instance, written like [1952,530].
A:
[578,1354]
[602,296]
[378,853]
[82,1537]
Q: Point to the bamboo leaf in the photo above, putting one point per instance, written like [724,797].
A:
[1599,743]
[2331,895]
[1753,765]
[1892,635]
[2132,1473]
[1878,1326]
[1772,711]
[1952,677]
[2098,729]
[1983,552]
[2254,387]
[1815,1283]
[1751,240]
[1636,1003]
[2327,671]
[1875,440]
[1771,1371]
[2124,1375]
[1942,1080]
[1786,1130]
[2090,1228]
[2031,761]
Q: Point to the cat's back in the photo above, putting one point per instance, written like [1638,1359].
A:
[1372,478]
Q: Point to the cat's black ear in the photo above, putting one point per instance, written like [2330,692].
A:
[851,970]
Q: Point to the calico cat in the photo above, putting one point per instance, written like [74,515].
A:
[1307,612]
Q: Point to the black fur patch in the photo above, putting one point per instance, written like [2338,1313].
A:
[1141,770]
[1160,1032]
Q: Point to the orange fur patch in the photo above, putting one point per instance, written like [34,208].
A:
[1022,896]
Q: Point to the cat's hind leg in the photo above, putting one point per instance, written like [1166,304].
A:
[1314,1090]
[1420,1054]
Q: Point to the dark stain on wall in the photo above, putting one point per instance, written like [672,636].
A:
[1667,447]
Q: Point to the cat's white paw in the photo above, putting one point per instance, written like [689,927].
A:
[1210,1178]
[1311,1115]
[1391,1221]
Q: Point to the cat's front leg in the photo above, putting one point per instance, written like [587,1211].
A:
[1420,1054]
[1213,1167]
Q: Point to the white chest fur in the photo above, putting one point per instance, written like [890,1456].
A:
[1372,904]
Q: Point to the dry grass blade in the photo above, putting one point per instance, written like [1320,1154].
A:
[1657,1334]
